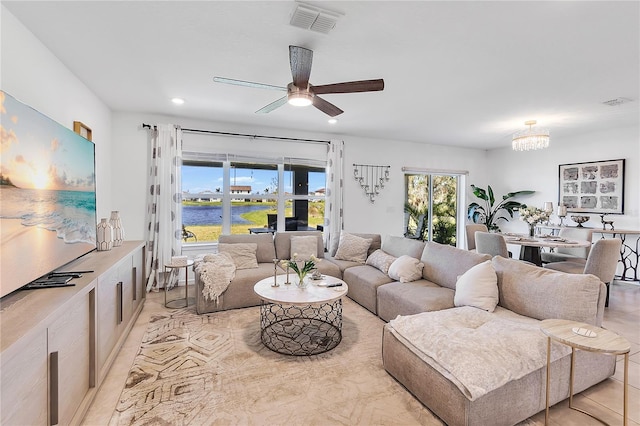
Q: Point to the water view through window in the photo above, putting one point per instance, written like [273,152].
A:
[250,194]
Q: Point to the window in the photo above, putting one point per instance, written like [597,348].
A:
[241,195]
[431,207]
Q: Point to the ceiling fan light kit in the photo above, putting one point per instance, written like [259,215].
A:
[298,97]
[300,92]
[531,138]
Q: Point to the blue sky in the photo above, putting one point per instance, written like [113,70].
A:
[39,153]
[198,179]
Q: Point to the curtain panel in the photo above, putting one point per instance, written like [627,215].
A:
[164,204]
[333,217]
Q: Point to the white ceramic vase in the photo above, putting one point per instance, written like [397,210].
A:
[118,231]
[104,236]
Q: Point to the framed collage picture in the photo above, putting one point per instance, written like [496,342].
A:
[594,187]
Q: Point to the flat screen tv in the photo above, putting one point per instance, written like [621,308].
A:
[47,195]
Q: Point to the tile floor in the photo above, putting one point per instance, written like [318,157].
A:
[604,399]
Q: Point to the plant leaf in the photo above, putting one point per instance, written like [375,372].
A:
[492,199]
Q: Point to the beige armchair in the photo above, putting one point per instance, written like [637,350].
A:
[570,254]
[471,231]
[601,262]
[491,244]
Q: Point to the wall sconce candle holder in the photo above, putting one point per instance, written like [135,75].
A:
[371,178]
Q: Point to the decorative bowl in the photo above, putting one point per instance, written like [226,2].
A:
[580,219]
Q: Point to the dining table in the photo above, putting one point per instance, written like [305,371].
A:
[531,247]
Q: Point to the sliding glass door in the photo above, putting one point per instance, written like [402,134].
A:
[431,207]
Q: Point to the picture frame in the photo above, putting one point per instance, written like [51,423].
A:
[592,187]
[82,130]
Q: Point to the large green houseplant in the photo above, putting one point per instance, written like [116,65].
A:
[489,212]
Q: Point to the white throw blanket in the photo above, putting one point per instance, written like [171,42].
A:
[216,272]
[477,350]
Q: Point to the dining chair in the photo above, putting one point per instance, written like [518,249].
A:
[569,254]
[471,230]
[601,262]
[491,243]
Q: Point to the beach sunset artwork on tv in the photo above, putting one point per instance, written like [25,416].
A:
[47,195]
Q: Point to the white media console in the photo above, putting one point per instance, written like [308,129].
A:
[57,344]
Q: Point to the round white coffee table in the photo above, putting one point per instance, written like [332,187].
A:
[301,321]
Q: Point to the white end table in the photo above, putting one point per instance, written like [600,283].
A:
[604,341]
[179,302]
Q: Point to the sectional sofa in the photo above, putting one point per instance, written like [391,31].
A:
[468,363]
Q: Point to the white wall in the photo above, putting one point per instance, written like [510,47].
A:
[32,75]
[385,216]
[538,171]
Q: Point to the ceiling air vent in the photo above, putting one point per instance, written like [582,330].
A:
[617,101]
[314,18]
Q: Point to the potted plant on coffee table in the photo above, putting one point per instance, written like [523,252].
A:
[489,212]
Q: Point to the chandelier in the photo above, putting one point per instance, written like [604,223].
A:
[530,138]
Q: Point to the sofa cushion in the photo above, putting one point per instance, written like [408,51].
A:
[543,294]
[304,246]
[266,251]
[406,269]
[342,264]
[443,264]
[363,281]
[397,246]
[412,298]
[243,254]
[352,247]
[380,260]
[478,351]
[478,287]
[282,242]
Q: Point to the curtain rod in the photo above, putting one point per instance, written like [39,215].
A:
[148,126]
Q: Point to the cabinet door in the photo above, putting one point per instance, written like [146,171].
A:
[108,307]
[138,278]
[69,337]
[125,296]
[23,383]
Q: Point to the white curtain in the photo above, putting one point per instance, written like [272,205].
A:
[333,218]
[164,203]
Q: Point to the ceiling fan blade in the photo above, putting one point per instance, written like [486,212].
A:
[326,107]
[300,59]
[273,105]
[248,84]
[350,87]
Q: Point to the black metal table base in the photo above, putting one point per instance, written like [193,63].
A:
[531,254]
[301,330]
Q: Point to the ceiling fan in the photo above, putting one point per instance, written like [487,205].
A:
[300,92]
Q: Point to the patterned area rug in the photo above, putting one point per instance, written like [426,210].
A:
[213,369]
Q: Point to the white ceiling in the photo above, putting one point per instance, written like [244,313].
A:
[456,73]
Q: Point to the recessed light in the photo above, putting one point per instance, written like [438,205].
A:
[177,101]
[332,120]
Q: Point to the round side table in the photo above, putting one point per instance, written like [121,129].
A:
[577,336]
[178,302]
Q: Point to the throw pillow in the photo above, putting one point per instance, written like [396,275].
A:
[478,287]
[304,247]
[353,248]
[381,260]
[243,254]
[406,269]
